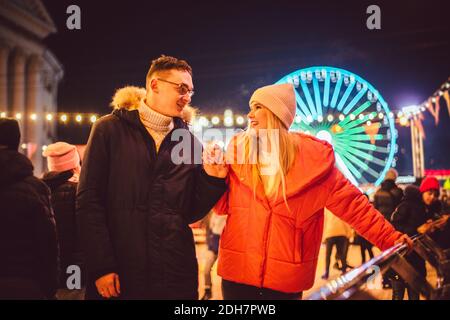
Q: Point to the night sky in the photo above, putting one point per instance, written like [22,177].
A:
[236,46]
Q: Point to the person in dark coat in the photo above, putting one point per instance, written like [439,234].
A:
[389,195]
[386,199]
[28,246]
[418,206]
[364,244]
[63,162]
[139,190]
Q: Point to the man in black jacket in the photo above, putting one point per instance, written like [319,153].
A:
[135,197]
[28,247]
[389,195]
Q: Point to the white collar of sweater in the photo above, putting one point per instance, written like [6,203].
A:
[154,120]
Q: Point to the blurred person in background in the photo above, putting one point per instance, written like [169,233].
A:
[386,199]
[28,245]
[337,234]
[214,229]
[418,206]
[63,162]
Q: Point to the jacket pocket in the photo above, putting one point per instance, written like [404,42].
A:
[298,249]
[312,237]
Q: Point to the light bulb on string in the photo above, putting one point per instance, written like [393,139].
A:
[215,120]
[240,120]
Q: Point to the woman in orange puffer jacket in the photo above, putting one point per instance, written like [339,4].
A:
[279,184]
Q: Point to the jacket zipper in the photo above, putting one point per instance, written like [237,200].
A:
[266,243]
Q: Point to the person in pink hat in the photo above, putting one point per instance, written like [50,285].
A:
[61,157]
[63,162]
[419,205]
[430,191]
[279,184]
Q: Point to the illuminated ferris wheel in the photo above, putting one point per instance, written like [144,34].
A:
[344,109]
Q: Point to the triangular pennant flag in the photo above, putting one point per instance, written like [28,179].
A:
[447,99]
[429,106]
[436,109]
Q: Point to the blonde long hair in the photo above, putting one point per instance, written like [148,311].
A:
[285,146]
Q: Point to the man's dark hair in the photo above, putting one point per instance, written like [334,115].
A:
[167,63]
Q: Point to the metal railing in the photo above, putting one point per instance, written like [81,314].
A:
[354,284]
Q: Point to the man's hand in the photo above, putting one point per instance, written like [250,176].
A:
[406,240]
[108,286]
[214,161]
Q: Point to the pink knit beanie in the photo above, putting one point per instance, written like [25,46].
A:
[62,156]
[279,99]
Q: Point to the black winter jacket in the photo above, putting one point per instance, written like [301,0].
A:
[408,216]
[135,206]
[411,213]
[63,195]
[28,246]
[387,198]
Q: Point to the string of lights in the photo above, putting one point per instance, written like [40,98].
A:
[228,119]
[206,120]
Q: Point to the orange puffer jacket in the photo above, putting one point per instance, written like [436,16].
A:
[266,245]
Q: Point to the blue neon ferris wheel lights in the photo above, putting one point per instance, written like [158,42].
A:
[341,107]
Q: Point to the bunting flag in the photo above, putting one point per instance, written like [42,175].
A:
[447,99]
[437,109]
[433,111]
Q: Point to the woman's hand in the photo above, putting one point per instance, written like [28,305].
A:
[406,240]
[108,286]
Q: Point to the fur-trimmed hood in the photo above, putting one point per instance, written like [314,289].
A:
[130,97]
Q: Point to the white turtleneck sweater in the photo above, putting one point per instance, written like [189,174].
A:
[157,124]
